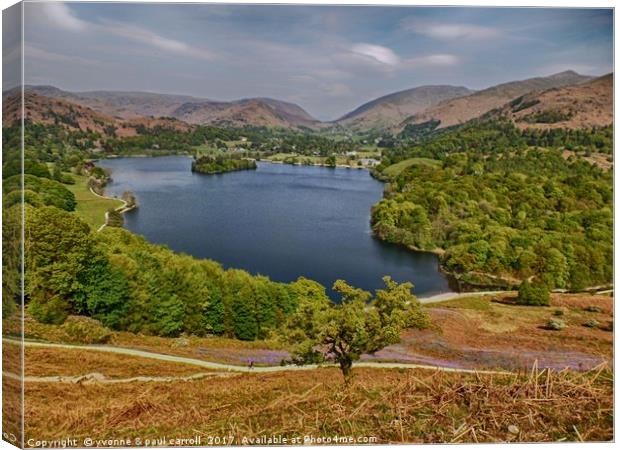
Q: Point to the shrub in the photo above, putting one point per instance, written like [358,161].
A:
[53,311]
[533,294]
[115,218]
[555,324]
[591,323]
[85,330]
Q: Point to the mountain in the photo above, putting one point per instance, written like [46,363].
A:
[392,109]
[47,110]
[577,106]
[194,110]
[426,106]
[460,110]
[254,111]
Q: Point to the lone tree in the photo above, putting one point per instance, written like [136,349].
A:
[324,331]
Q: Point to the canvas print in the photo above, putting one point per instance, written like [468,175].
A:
[229,224]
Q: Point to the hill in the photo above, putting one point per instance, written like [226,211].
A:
[254,111]
[582,105]
[394,108]
[462,109]
[194,110]
[54,111]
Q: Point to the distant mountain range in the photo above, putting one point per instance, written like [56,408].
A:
[194,110]
[391,109]
[565,99]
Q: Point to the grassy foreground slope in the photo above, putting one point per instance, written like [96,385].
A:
[382,405]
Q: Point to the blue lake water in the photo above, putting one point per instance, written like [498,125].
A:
[281,221]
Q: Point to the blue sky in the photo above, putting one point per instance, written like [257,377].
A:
[328,60]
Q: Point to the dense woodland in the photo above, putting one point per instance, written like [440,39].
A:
[505,203]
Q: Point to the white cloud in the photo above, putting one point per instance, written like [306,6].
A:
[376,53]
[449,31]
[61,15]
[148,37]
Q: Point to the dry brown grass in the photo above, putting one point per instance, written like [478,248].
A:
[477,332]
[11,410]
[391,405]
[11,358]
[70,362]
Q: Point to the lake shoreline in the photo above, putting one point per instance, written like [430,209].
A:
[337,166]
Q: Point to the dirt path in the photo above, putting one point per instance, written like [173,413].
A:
[97,378]
[455,295]
[231,367]
[122,209]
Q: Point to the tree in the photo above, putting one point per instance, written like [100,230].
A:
[533,294]
[324,331]
[114,218]
[59,252]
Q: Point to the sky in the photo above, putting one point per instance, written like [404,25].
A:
[327,59]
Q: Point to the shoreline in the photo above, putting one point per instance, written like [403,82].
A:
[121,209]
[337,166]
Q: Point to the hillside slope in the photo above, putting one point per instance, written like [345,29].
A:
[72,116]
[392,109]
[460,110]
[578,106]
[255,111]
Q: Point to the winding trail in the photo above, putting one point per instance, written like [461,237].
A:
[233,367]
[122,209]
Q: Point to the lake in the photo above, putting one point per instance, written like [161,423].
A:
[281,221]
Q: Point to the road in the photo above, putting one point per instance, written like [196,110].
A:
[231,367]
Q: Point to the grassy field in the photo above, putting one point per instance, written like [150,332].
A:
[89,206]
[380,406]
[396,169]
